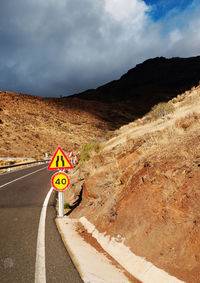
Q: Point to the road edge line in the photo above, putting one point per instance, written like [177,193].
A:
[40,265]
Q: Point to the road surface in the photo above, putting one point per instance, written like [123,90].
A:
[22,194]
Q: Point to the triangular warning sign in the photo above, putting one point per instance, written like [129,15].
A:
[59,161]
[70,155]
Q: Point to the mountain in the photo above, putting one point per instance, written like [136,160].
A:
[155,80]
[30,126]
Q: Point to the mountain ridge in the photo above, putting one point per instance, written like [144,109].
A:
[155,80]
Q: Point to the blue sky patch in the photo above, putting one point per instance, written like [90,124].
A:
[160,8]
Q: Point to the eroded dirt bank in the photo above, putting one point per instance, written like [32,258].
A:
[144,186]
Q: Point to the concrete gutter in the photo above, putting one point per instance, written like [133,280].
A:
[137,266]
[93,266]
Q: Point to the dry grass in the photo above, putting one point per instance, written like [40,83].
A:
[162,109]
[189,120]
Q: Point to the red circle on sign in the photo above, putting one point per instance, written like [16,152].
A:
[55,178]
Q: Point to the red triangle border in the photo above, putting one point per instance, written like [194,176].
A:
[59,148]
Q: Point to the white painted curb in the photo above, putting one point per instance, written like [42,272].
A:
[93,266]
[137,266]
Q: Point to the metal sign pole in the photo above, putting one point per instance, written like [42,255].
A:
[61,204]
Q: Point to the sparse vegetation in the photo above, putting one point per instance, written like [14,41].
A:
[110,134]
[66,205]
[187,121]
[161,109]
[64,125]
[87,149]
[12,162]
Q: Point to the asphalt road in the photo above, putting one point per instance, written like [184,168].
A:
[20,207]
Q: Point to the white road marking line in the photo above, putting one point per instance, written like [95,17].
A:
[22,177]
[40,266]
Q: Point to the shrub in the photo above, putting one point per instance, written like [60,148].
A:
[93,138]
[87,149]
[12,162]
[66,205]
[64,125]
[187,121]
[162,109]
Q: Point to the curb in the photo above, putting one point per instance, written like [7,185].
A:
[92,265]
[72,255]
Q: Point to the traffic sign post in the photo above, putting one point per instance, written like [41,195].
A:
[60,182]
[60,204]
[72,157]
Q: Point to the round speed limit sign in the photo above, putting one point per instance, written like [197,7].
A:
[60,181]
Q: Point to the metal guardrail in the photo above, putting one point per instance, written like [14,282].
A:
[26,163]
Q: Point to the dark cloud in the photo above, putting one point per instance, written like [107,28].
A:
[60,47]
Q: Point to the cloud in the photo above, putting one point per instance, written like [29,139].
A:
[127,11]
[61,47]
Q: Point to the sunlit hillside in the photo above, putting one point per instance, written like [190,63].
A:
[143,186]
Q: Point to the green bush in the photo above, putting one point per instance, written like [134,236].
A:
[66,205]
[64,125]
[87,149]
[162,109]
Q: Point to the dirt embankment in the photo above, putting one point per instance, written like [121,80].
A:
[144,187]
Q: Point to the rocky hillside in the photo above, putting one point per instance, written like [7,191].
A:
[31,126]
[143,186]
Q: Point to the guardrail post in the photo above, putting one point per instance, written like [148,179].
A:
[8,170]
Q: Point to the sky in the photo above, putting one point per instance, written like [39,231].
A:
[62,47]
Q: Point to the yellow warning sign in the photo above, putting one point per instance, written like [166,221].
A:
[59,161]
